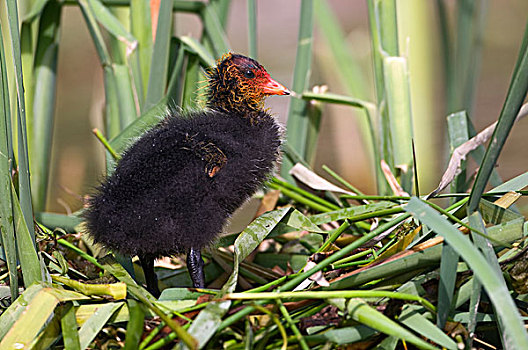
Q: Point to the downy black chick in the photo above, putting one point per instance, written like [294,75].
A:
[174,189]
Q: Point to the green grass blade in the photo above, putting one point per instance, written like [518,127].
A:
[297,125]
[222,9]
[397,88]
[413,319]
[125,97]
[23,161]
[194,46]
[458,134]
[446,283]
[175,88]
[135,325]
[29,261]
[6,150]
[45,72]
[514,99]
[112,123]
[27,56]
[96,322]
[141,29]
[493,283]
[457,130]
[192,77]
[70,334]
[214,31]
[157,82]
[252,28]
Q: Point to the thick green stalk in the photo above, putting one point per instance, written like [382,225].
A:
[384,36]
[297,125]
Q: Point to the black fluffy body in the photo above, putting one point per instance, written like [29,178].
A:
[161,200]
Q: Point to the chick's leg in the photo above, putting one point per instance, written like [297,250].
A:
[147,263]
[195,265]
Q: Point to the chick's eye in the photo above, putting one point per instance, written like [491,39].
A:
[248,73]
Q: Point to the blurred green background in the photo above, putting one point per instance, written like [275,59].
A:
[78,157]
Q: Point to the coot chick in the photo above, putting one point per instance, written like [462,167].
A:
[175,187]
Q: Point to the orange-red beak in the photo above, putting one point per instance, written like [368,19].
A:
[271,87]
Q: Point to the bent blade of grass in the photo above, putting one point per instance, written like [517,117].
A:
[45,73]
[514,99]
[493,283]
[208,321]
[157,82]
[297,125]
